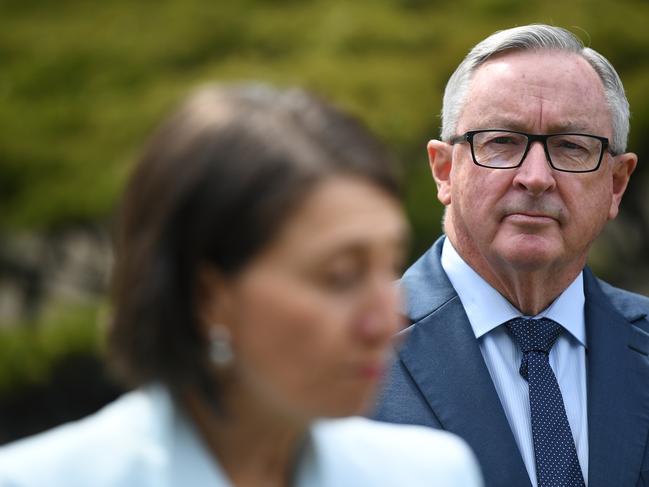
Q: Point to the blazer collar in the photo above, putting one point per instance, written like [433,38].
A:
[426,285]
[443,357]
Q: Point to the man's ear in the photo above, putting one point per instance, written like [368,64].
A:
[623,167]
[440,157]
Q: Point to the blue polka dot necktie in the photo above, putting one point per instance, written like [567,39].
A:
[557,464]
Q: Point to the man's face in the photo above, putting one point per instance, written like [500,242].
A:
[533,217]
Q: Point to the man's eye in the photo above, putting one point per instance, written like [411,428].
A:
[566,144]
[503,140]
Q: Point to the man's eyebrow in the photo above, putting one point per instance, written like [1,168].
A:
[499,123]
[580,126]
[572,126]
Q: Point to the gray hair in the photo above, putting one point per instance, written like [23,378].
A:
[534,37]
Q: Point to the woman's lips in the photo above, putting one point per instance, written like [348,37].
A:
[372,371]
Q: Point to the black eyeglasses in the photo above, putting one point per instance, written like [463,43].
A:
[506,149]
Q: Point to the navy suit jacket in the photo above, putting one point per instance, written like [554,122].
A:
[440,379]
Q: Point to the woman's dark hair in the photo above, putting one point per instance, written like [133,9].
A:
[214,185]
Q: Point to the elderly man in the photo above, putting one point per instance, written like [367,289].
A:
[514,344]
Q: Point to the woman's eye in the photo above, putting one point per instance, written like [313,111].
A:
[343,280]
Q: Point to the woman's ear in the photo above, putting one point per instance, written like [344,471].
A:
[211,299]
[440,157]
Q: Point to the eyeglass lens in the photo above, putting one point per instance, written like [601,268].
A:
[505,149]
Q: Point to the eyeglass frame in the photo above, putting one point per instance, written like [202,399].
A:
[543,138]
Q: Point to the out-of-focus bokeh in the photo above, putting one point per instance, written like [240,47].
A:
[83,83]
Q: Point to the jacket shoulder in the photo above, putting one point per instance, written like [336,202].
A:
[360,451]
[634,307]
[112,447]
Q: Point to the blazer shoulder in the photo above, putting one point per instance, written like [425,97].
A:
[634,307]
[104,449]
[383,454]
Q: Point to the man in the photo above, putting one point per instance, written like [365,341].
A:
[514,344]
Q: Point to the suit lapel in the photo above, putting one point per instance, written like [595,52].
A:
[618,391]
[443,357]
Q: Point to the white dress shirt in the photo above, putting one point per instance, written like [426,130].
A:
[487,310]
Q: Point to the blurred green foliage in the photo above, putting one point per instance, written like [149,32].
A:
[29,352]
[82,84]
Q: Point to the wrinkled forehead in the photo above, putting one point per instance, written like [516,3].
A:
[541,91]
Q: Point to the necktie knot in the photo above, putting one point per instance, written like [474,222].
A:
[534,335]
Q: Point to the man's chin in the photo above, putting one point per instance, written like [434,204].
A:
[528,255]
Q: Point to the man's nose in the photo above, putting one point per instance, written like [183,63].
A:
[535,175]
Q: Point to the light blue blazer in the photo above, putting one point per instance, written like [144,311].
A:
[143,440]
[440,379]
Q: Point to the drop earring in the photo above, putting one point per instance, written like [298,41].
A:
[220,347]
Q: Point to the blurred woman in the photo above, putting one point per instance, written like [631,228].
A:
[258,243]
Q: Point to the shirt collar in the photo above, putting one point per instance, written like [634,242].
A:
[487,309]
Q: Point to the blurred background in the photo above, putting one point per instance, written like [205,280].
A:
[83,83]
